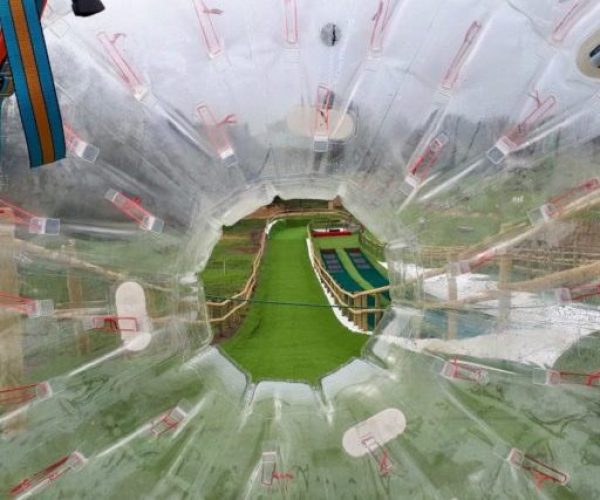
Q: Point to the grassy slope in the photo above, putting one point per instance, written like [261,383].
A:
[230,263]
[287,342]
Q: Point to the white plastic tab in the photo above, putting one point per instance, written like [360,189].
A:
[78,147]
[133,209]
[168,421]
[542,214]
[381,427]
[40,308]
[459,370]
[500,150]
[322,119]
[24,305]
[409,184]
[44,225]
[130,301]
[268,467]
[34,224]
[217,134]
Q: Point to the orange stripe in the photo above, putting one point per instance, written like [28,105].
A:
[33,80]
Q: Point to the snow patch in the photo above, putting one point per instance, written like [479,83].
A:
[540,330]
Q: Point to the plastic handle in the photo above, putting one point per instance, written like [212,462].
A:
[129,76]
[210,36]
[458,62]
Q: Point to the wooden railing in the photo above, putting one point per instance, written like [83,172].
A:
[222,312]
[371,244]
[560,256]
[354,306]
[310,212]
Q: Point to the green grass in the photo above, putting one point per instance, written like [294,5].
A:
[290,342]
[582,357]
[444,230]
[142,252]
[439,228]
[230,263]
[337,242]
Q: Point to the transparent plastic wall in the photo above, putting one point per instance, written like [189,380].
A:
[462,127]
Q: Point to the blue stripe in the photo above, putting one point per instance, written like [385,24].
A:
[46,79]
[20,83]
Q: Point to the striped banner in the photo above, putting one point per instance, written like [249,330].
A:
[32,78]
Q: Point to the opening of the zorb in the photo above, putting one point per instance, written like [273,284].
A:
[452,299]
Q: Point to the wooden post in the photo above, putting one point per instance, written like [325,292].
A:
[364,302]
[378,315]
[11,328]
[503,284]
[236,315]
[227,321]
[346,310]
[452,318]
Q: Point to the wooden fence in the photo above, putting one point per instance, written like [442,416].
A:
[354,306]
[550,257]
[371,244]
[227,311]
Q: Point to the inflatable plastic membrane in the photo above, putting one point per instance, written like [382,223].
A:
[475,119]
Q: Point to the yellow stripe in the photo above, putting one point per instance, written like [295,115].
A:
[33,80]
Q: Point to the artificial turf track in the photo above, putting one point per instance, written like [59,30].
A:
[339,273]
[366,269]
[336,269]
[286,342]
[340,244]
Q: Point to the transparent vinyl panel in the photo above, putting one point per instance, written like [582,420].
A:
[462,134]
